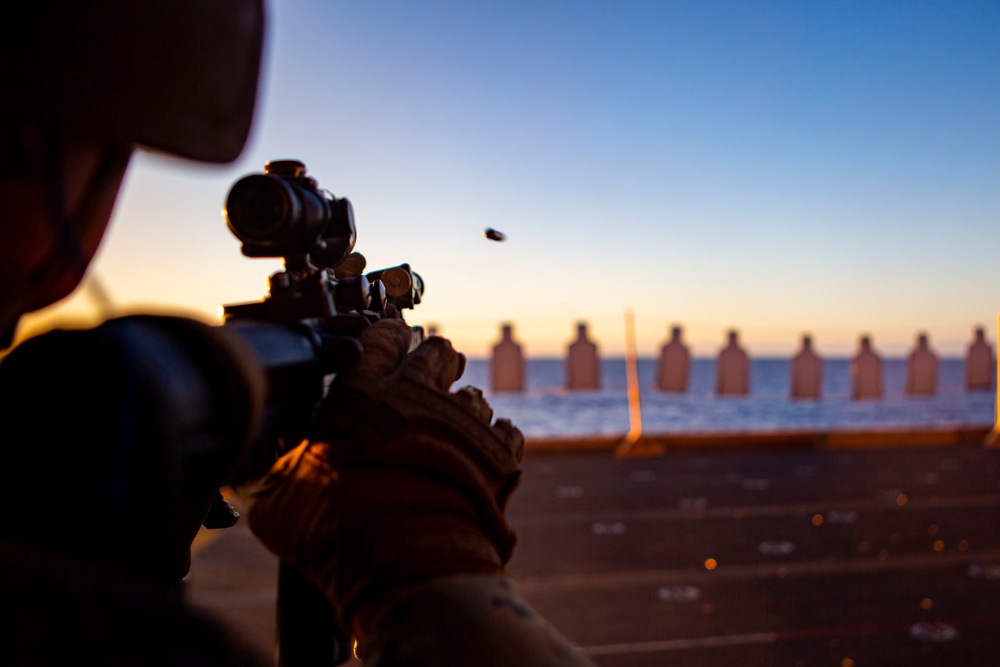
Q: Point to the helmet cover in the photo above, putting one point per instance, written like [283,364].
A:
[179,76]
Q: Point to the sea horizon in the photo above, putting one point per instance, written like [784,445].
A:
[546,409]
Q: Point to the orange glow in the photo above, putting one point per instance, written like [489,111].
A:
[634,409]
[926,603]
[847,662]
[901,499]
[711,564]
[817,520]
[939,546]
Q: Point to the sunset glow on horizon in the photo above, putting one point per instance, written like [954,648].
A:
[779,169]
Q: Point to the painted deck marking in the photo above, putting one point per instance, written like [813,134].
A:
[776,548]
[696,576]
[989,572]
[842,517]
[679,593]
[726,513]
[681,644]
[934,631]
[693,503]
[616,528]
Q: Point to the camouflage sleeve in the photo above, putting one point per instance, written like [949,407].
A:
[478,620]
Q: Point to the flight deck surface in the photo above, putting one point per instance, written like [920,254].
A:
[887,556]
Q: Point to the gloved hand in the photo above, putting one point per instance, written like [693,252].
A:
[401,481]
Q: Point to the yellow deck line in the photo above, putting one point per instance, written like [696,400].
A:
[804,439]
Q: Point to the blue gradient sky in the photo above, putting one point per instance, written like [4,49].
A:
[778,167]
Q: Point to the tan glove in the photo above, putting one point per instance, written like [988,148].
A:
[400,483]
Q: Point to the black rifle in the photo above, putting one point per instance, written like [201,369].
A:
[303,332]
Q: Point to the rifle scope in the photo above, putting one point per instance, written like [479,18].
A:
[283,213]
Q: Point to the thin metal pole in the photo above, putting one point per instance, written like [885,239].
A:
[993,438]
[632,371]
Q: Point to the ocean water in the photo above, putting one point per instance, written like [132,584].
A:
[546,409]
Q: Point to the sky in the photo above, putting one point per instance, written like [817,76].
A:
[774,167]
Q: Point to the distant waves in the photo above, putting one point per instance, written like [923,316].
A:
[546,409]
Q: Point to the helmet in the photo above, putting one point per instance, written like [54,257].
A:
[98,78]
[179,76]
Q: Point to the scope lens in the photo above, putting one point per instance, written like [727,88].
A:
[258,207]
